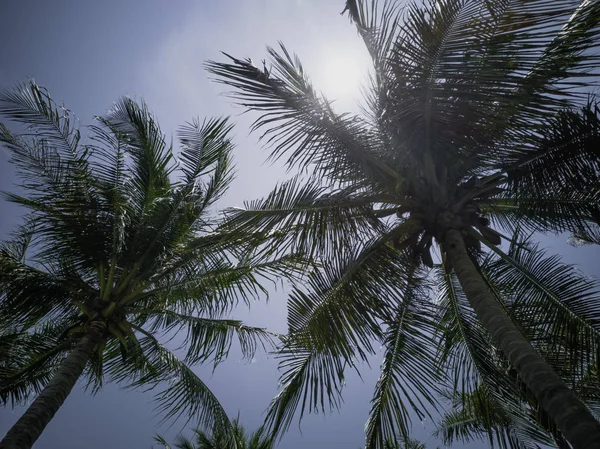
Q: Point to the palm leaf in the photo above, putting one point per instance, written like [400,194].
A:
[31,105]
[180,392]
[146,144]
[301,122]
[473,363]
[302,215]
[332,321]
[207,338]
[408,375]
[554,303]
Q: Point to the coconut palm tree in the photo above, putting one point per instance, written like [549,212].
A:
[116,253]
[239,438]
[489,399]
[477,122]
[480,417]
[404,443]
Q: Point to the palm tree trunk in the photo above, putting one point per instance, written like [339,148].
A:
[572,417]
[30,426]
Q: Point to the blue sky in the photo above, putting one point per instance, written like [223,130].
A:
[89,53]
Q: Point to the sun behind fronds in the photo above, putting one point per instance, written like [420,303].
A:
[478,122]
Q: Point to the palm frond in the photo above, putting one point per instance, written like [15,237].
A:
[161,440]
[178,391]
[29,356]
[203,144]
[301,122]
[214,288]
[408,374]
[40,168]
[146,144]
[32,106]
[478,417]
[566,153]
[30,293]
[216,439]
[302,215]
[552,178]
[21,240]
[566,210]
[494,63]
[378,27]
[555,304]
[209,338]
[474,363]
[311,380]
[332,321]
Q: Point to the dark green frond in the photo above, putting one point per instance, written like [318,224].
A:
[29,358]
[553,182]
[301,123]
[151,158]
[214,288]
[408,374]
[555,304]
[502,64]
[311,380]
[18,246]
[377,25]
[474,363]
[30,293]
[208,338]
[216,439]
[565,210]
[50,124]
[178,391]
[203,145]
[304,215]
[39,166]
[161,440]
[332,322]
[478,417]
[566,153]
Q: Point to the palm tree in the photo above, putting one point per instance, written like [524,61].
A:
[119,256]
[489,399]
[477,123]
[404,443]
[480,416]
[237,439]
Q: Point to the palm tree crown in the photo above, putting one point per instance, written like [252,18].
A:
[239,438]
[478,127]
[120,254]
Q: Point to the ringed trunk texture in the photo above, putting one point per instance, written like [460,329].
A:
[30,426]
[572,417]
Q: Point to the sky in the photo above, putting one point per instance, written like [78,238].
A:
[88,54]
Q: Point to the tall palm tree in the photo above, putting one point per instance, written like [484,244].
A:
[477,122]
[491,400]
[239,438]
[120,255]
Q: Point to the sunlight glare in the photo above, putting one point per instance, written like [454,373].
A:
[340,75]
